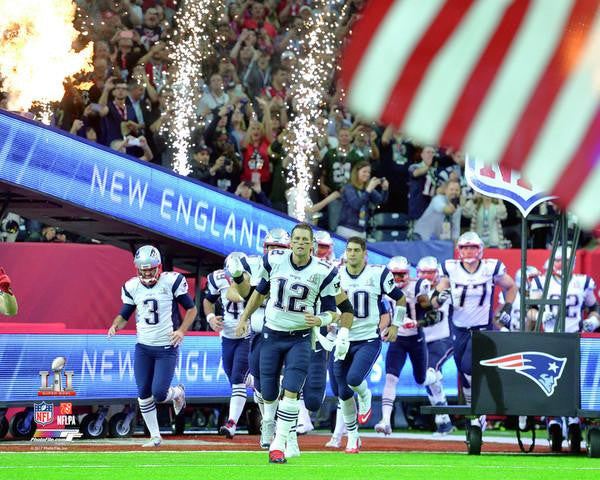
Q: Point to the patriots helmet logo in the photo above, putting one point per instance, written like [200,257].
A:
[542,368]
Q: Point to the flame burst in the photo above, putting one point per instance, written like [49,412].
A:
[310,81]
[36,50]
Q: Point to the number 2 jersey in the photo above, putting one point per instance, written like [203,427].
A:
[218,285]
[365,292]
[294,291]
[157,312]
[472,293]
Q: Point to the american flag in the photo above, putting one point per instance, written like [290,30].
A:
[515,82]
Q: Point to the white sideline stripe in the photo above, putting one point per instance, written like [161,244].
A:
[315,465]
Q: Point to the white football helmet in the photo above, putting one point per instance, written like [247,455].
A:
[531,273]
[324,243]
[428,268]
[400,268]
[277,237]
[234,262]
[148,264]
[467,255]
[558,261]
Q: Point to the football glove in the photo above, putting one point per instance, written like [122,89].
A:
[590,324]
[443,297]
[342,344]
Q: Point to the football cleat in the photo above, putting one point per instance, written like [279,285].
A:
[179,400]
[384,428]
[228,429]
[443,429]
[153,443]
[267,430]
[334,442]
[291,447]
[364,408]
[304,428]
[277,456]
[353,444]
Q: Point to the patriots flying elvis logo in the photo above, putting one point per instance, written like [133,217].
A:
[542,368]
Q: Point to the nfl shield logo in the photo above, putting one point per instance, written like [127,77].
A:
[43,413]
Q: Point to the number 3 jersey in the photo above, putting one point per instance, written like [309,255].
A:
[218,285]
[294,291]
[472,293]
[365,292]
[157,312]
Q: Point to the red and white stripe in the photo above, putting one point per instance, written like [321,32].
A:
[515,82]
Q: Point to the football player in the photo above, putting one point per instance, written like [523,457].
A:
[234,349]
[245,281]
[8,301]
[580,297]
[439,346]
[295,281]
[468,284]
[410,340]
[152,294]
[364,285]
[533,289]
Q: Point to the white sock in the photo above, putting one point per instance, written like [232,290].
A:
[258,399]
[388,397]
[148,409]
[362,389]
[270,411]
[349,414]
[338,431]
[435,391]
[287,416]
[303,414]
[237,402]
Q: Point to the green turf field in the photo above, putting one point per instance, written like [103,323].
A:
[310,466]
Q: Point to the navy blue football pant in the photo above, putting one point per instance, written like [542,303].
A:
[153,368]
[463,350]
[279,348]
[413,346]
[359,360]
[332,379]
[316,380]
[438,352]
[254,359]
[235,358]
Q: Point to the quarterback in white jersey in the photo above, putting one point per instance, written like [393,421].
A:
[294,281]
[234,348]
[580,296]
[364,284]
[154,296]
[468,284]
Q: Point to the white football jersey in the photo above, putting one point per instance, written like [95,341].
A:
[535,290]
[218,285]
[441,329]
[580,294]
[294,290]
[414,289]
[472,293]
[364,292]
[157,312]
[257,319]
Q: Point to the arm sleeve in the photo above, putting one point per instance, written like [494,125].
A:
[331,285]
[589,299]
[185,301]
[387,283]
[180,286]
[127,310]
[328,304]
[499,271]
[213,291]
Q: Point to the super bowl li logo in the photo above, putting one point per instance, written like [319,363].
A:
[55,389]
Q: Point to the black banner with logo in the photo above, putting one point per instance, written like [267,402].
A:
[525,373]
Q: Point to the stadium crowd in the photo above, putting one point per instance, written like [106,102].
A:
[369,180]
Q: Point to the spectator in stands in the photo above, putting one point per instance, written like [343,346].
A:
[277,88]
[151,30]
[257,75]
[128,52]
[225,171]
[364,146]
[214,98]
[486,216]
[255,147]
[335,173]
[201,165]
[356,199]
[119,111]
[134,146]
[395,152]
[156,63]
[421,183]
[252,191]
[441,218]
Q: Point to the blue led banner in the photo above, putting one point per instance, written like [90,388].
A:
[590,373]
[46,160]
[103,369]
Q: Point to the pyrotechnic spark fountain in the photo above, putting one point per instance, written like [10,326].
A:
[310,80]
[190,47]
[36,52]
